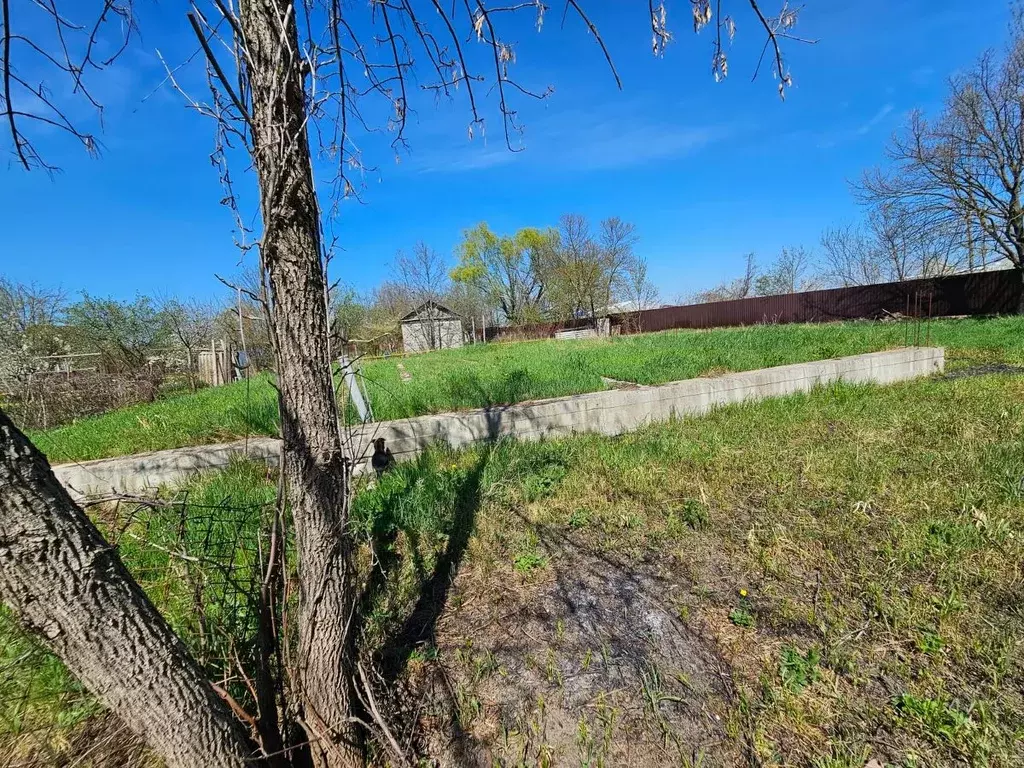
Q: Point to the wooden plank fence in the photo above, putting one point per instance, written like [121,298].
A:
[214,364]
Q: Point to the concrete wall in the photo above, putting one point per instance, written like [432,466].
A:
[609,413]
[425,334]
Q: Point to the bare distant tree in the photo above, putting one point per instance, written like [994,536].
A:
[191,323]
[616,242]
[25,306]
[745,285]
[740,288]
[584,274]
[424,273]
[571,269]
[788,274]
[850,257]
[909,248]
[29,315]
[891,246]
[965,169]
[390,301]
[477,307]
[424,276]
[638,288]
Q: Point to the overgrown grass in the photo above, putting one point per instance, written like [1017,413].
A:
[857,560]
[868,539]
[854,553]
[478,376]
[210,415]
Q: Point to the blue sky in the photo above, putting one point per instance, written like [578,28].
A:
[706,171]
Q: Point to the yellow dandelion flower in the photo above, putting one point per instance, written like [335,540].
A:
[743,593]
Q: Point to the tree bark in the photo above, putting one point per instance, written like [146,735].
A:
[313,462]
[68,585]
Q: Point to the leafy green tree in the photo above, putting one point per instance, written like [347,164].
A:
[505,269]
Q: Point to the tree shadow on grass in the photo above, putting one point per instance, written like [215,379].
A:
[419,500]
[257,415]
[420,623]
[467,389]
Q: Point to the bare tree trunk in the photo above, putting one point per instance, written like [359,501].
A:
[313,463]
[67,584]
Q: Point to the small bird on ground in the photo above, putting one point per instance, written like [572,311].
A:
[382,459]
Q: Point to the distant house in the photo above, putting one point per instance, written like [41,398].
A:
[431,326]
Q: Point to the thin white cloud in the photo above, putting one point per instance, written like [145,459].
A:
[839,136]
[877,118]
[577,142]
[473,157]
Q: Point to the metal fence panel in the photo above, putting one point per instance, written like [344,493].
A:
[982,293]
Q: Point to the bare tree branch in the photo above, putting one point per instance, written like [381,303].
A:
[8,104]
[216,67]
[962,172]
[70,49]
[597,36]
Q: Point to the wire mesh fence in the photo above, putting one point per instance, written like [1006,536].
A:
[201,556]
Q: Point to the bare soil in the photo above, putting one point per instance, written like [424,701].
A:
[589,665]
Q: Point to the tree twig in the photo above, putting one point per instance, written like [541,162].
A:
[243,113]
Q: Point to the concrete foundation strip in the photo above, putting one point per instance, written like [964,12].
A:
[611,412]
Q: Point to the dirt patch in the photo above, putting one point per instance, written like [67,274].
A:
[984,370]
[617,384]
[585,663]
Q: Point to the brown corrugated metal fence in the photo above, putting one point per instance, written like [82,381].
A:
[981,293]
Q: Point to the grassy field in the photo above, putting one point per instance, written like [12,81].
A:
[850,557]
[840,571]
[478,376]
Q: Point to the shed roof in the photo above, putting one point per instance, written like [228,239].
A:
[413,316]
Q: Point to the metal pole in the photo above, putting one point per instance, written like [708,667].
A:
[241,335]
[930,295]
[349,377]
[916,314]
[906,323]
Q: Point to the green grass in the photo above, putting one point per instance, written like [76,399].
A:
[877,532]
[871,535]
[210,415]
[478,376]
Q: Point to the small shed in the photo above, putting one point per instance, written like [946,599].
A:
[431,326]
